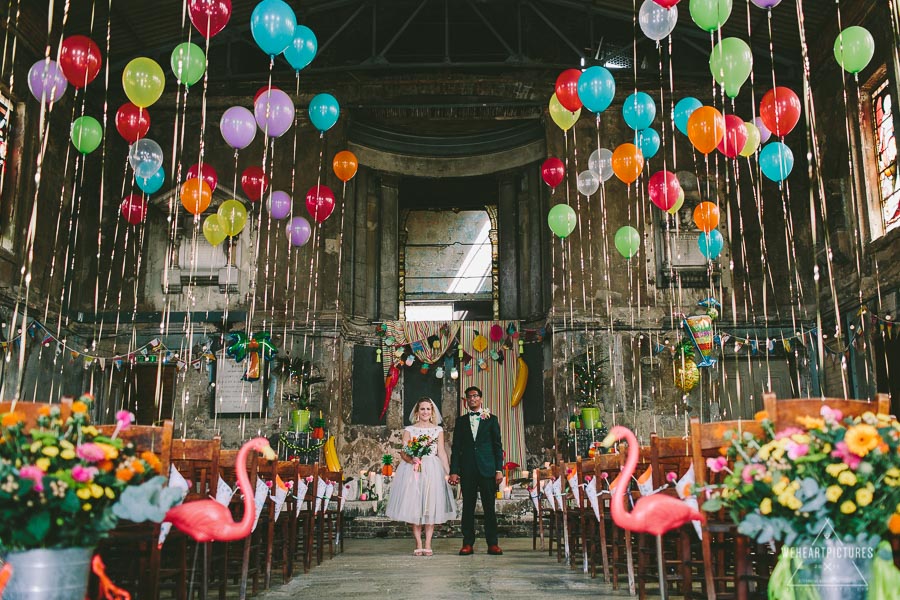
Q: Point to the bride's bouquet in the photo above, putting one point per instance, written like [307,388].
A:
[419,447]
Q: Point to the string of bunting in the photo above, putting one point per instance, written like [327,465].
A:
[303,449]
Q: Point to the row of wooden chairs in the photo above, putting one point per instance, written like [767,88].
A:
[720,564]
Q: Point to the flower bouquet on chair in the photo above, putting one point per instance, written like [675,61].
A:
[418,448]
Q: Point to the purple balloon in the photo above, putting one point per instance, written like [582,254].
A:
[764,133]
[274,112]
[766,3]
[279,204]
[298,231]
[46,81]
[238,127]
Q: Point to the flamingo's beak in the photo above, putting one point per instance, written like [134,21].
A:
[268,453]
[608,441]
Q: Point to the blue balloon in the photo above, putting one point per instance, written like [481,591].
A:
[272,25]
[711,244]
[324,111]
[152,184]
[639,110]
[647,141]
[684,108]
[302,49]
[596,88]
[776,161]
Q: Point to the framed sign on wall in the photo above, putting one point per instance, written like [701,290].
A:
[235,397]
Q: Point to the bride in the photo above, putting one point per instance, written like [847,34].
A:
[422,497]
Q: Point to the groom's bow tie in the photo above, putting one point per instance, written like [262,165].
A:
[474,414]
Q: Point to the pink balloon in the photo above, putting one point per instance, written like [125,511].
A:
[209,16]
[320,202]
[735,136]
[671,3]
[663,189]
[553,171]
[208,172]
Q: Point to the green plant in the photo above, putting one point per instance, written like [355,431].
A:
[300,372]
[590,379]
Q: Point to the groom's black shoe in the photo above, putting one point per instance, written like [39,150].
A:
[466,550]
[494,549]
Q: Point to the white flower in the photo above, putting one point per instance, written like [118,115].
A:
[485,414]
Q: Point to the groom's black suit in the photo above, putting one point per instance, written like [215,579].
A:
[477,462]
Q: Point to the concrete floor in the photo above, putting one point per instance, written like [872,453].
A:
[386,568]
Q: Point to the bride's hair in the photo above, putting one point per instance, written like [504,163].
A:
[435,413]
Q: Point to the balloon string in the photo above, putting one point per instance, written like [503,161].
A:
[337,302]
[581,240]
[313,255]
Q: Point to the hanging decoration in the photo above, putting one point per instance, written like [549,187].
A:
[256,348]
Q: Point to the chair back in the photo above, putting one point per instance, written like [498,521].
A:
[154,438]
[784,412]
[198,463]
[708,439]
[668,454]
[228,473]
[31,410]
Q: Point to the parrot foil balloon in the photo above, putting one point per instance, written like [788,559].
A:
[256,348]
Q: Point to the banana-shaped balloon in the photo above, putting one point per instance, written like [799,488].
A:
[331,458]
[521,380]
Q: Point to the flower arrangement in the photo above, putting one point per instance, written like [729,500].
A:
[60,483]
[418,447]
[793,484]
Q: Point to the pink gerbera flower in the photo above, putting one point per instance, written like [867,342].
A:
[843,452]
[90,452]
[35,474]
[83,474]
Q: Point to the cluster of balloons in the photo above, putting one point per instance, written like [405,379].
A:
[273,113]
[593,89]
[275,30]
[227,221]
[706,218]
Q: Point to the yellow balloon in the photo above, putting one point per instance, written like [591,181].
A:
[214,229]
[233,215]
[143,81]
[562,116]
[752,142]
[679,202]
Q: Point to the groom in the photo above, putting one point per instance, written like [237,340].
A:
[477,464]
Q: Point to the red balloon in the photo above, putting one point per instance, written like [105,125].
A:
[567,89]
[663,189]
[134,209]
[208,172]
[553,171]
[80,60]
[254,183]
[735,136]
[262,91]
[780,110]
[132,122]
[209,16]
[667,3]
[320,202]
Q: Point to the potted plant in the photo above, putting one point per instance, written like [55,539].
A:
[63,487]
[300,372]
[589,382]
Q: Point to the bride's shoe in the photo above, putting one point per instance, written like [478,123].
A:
[427,552]
[418,552]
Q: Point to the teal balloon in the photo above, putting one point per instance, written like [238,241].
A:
[324,111]
[272,25]
[710,15]
[188,63]
[730,63]
[639,110]
[711,244]
[647,141]
[152,184]
[596,88]
[776,161]
[562,220]
[684,108]
[854,48]
[302,50]
[628,241]
[87,133]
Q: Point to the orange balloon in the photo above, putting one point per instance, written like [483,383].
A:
[196,195]
[627,163]
[345,165]
[706,216]
[706,128]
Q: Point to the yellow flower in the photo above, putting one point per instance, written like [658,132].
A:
[893,472]
[43,464]
[780,487]
[67,454]
[35,447]
[765,507]
[861,439]
[50,451]
[111,452]
[90,430]
[112,495]
[847,478]
[83,493]
[66,444]
[811,422]
[836,469]
[863,497]
[847,507]
[86,506]
[833,493]
[96,490]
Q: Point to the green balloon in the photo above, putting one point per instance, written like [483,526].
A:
[214,229]
[854,48]
[188,63]
[233,215]
[628,241]
[86,134]
[710,15]
[143,81]
[731,62]
[562,220]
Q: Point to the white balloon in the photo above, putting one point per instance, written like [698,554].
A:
[588,182]
[600,162]
[146,157]
[656,21]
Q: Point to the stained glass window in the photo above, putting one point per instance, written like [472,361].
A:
[886,156]
[4,137]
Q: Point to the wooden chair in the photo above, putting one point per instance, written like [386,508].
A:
[275,528]
[330,519]
[720,536]
[31,410]
[783,413]
[555,532]
[304,532]
[135,546]
[582,521]
[606,467]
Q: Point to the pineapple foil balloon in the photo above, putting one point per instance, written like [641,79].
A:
[687,375]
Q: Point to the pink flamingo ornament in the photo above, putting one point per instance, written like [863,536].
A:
[209,521]
[655,514]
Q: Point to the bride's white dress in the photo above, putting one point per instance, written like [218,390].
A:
[424,498]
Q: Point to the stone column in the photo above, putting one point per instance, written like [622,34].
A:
[508,257]
[388,299]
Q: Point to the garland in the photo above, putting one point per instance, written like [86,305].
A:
[296,448]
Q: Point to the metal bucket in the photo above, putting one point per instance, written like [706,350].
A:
[49,574]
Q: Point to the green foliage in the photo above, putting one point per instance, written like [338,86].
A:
[590,378]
